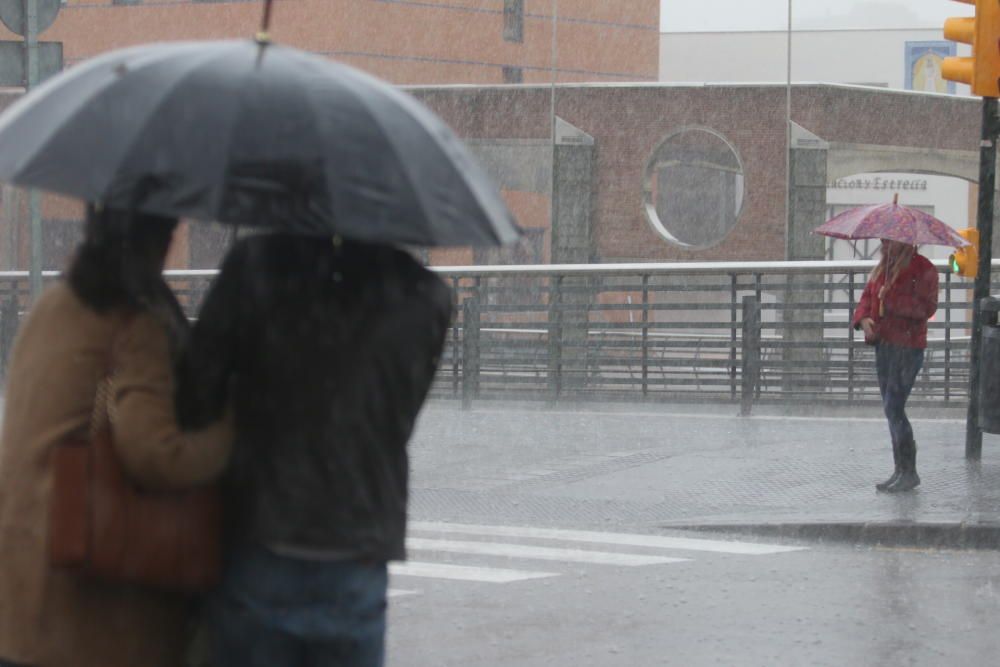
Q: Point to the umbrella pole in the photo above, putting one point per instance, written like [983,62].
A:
[263,36]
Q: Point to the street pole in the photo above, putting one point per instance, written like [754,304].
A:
[788,136]
[34,199]
[984,223]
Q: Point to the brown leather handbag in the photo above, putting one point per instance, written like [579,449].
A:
[104,525]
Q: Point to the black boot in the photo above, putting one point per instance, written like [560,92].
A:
[897,471]
[908,478]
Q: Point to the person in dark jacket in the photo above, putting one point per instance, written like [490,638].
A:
[899,299]
[328,349]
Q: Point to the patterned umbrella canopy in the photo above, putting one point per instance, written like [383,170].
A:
[893,222]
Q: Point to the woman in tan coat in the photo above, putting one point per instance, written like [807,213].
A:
[113,305]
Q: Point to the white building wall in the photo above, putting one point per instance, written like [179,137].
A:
[943,197]
[875,57]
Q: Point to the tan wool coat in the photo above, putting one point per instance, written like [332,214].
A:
[52,618]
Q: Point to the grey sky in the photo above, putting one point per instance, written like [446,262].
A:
[722,15]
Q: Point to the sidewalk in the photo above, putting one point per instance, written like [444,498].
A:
[677,466]
[661,467]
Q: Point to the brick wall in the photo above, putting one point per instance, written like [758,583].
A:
[628,122]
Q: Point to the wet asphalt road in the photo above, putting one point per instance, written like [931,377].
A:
[523,475]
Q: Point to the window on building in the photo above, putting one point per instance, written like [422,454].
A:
[513,20]
[694,188]
[513,74]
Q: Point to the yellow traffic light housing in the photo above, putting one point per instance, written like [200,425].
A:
[965,261]
[982,70]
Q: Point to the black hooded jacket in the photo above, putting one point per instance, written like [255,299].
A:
[327,353]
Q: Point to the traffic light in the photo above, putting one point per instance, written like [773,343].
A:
[982,70]
[965,261]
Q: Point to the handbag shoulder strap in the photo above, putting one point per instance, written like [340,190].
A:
[99,418]
[103,410]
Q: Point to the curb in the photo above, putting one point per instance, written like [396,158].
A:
[894,534]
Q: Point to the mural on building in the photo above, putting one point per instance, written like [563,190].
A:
[923,66]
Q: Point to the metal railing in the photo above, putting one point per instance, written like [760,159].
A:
[741,332]
[678,332]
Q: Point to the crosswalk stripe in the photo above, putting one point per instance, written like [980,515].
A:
[493,575]
[624,539]
[399,592]
[538,553]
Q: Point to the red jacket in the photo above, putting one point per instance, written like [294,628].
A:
[910,302]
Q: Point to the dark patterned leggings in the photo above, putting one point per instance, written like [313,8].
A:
[897,372]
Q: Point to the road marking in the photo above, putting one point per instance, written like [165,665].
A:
[625,539]
[703,415]
[493,575]
[399,592]
[538,553]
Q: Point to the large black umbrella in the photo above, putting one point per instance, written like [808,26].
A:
[255,134]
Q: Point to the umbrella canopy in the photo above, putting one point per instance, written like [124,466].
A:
[257,134]
[893,222]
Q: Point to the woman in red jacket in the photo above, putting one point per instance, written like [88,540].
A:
[901,295]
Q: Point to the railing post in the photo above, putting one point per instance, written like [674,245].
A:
[947,337]
[645,334]
[850,337]
[751,353]
[732,337]
[758,292]
[454,338]
[8,329]
[555,336]
[470,351]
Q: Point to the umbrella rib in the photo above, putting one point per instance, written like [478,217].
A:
[79,104]
[418,195]
[420,116]
[221,191]
[199,62]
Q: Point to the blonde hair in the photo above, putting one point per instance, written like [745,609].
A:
[895,258]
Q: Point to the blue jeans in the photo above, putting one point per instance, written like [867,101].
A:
[897,372]
[271,610]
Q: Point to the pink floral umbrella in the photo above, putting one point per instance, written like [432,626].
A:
[893,222]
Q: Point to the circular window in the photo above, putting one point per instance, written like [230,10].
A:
[693,188]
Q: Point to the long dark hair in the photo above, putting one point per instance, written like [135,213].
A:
[118,266]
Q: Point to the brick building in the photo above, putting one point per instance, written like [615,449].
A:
[403,41]
[639,171]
